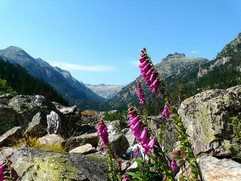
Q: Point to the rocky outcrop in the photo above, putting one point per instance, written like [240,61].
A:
[38,165]
[30,112]
[207,117]
[214,169]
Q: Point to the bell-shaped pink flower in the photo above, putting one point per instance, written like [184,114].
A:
[143,64]
[124,178]
[166,112]
[143,136]
[134,120]
[174,166]
[152,143]
[142,59]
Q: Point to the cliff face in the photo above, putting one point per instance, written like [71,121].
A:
[211,118]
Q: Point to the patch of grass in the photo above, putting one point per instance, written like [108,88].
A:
[30,142]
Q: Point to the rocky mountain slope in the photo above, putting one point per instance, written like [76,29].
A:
[173,66]
[186,76]
[72,90]
[105,91]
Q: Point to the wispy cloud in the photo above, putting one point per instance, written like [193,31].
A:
[136,63]
[194,51]
[95,68]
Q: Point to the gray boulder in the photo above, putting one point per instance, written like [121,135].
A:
[207,117]
[38,165]
[118,141]
[214,169]
[10,136]
[73,142]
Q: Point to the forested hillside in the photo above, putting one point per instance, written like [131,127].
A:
[23,83]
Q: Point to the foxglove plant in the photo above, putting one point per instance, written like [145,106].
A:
[114,173]
[168,170]
[140,134]
[103,132]
[6,170]
[150,74]
[140,93]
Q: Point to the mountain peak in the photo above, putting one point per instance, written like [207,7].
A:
[176,55]
[14,48]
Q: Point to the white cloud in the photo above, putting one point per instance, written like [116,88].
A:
[136,63]
[95,68]
[194,52]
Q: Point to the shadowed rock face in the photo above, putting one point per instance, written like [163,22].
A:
[33,164]
[207,117]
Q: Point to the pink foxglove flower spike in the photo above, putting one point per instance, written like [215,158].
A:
[103,133]
[140,134]
[140,93]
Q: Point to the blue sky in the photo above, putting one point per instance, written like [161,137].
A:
[99,41]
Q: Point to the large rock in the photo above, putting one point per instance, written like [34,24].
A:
[84,149]
[37,126]
[30,111]
[38,165]
[118,141]
[50,140]
[214,169]
[10,136]
[77,141]
[207,116]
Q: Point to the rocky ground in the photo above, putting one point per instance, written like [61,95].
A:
[206,115]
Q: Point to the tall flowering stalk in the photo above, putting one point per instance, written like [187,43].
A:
[150,74]
[155,82]
[140,93]
[103,134]
[140,134]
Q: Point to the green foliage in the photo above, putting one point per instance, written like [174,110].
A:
[236,129]
[115,115]
[31,142]
[19,80]
[5,89]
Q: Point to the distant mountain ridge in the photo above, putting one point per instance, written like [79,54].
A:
[105,91]
[71,89]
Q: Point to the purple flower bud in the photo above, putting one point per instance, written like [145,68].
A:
[174,166]
[166,112]
[124,178]
[152,143]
